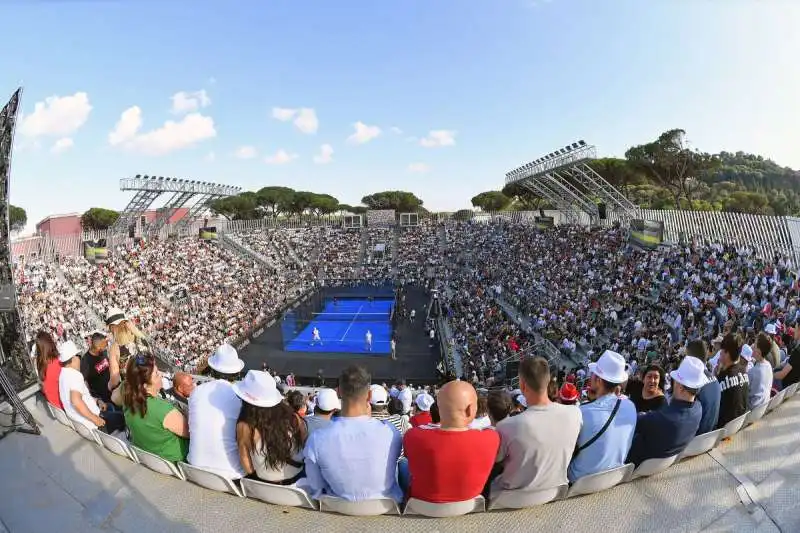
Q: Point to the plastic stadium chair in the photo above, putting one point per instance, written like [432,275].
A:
[651,467]
[277,494]
[61,416]
[702,444]
[733,427]
[756,414]
[156,463]
[445,510]
[377,507]
[776,400]
[208,479]
[791,390]
[520,499]
[600,481]
[116,445]
[87,433]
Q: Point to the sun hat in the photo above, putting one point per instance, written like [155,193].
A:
[691,373]
[225,360]
[378,395]
[611,367]
[67,351]
[425,401]
[747,352]
[568,392]
[771,329]
[327,400]
[258,388]
[521,400]
[114,316]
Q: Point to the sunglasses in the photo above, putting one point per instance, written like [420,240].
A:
[144,360]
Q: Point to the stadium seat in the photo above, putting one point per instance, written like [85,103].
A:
[600,481]
[651,467]
[702,444]
[791,390]
[445,510]
[277,494]
[86,433]
[776,400]
[756,413]
[61,416]
[156,463]
[332,504]
[208,479]
[116,445]
[733,427]
[520,499]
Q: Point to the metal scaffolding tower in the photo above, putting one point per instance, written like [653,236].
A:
[565,179]
[148,188]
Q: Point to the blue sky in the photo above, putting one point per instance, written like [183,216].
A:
[450,94]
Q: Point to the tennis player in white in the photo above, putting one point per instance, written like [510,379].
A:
[368,340]
[315,337]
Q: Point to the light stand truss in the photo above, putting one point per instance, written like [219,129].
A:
[148,188]
[565,179]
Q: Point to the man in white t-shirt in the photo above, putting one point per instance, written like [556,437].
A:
[213,411]
[405,395]
[78,403]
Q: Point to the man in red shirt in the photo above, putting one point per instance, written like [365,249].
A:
[451,463]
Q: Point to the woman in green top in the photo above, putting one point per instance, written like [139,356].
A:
[155,425]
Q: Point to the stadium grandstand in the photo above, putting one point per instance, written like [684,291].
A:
[595,365]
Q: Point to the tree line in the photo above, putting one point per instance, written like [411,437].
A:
[667,173]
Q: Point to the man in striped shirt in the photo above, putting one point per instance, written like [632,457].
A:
[379,400]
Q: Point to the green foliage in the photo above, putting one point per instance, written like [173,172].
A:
[17,218]
[98,218]
[400,201]
[491,201]
[463,214]
[275,200]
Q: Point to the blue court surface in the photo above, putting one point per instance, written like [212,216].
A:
[343,328]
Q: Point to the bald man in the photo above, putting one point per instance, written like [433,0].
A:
[182,387]
[451,463]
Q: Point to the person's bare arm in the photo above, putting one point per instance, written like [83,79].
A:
[243,436]
[80,406]
[177,423]
[783,372]
[113,366]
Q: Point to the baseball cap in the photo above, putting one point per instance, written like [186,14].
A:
[378,395]
[67,351]
[327,400]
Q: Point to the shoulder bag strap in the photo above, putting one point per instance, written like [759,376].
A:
[579,449]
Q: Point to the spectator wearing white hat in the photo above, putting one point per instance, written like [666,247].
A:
[424,402]
[760,375]
[327,403]
[79,405]
[773,357]
[355,457]
[269,434]
[608,422]
[213,412]
[379,400]
[667,431]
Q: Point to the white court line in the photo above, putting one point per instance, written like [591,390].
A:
[351,324]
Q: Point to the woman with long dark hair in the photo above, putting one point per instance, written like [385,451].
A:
[648,394]
[155,425]
[49,367]
[269,433]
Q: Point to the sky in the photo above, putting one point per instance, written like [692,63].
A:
[351,97]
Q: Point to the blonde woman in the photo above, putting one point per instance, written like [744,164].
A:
[126,340]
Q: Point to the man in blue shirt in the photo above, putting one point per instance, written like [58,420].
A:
[608,422]
[709,394]
[355,456]
[667,431]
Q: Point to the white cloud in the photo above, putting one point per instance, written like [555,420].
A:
[172,136]
[396,130]
[57,116]
[281,157]
[304,118]
[188,102]
[363,133]
[210,157]
[325,154]
[246,152]
[420,168]
[62,145]
[439,138]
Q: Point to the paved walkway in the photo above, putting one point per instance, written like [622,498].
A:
[60,482]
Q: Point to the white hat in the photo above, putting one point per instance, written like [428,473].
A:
[258,388]
[691,373]
[327,400]
[378,395]
[425,401]
[747,352]
[67,351]
[225,360]
[771,329]
[610,367]
[114,316]
[522,401]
